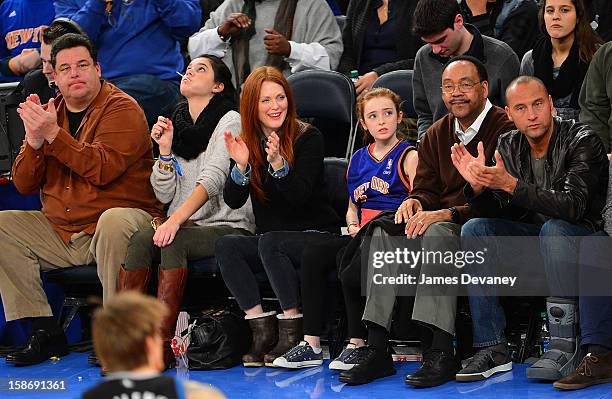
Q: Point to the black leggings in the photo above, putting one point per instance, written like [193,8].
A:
[277,253]
[318,261]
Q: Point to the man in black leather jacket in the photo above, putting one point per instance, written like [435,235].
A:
[549,180]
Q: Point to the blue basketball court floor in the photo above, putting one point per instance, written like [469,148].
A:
[319,382]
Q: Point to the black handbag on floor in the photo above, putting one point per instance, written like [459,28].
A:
[219,338]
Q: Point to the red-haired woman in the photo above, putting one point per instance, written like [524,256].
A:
[278,161]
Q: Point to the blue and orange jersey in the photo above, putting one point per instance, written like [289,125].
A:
[378,185]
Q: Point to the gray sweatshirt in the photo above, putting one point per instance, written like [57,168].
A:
[210,169]
[502,67]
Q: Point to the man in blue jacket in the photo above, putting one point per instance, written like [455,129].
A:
[139,44]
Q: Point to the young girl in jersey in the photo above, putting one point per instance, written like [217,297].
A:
[379,178]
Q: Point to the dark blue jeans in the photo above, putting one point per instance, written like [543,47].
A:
[156,96]
[595,311]
[559,256]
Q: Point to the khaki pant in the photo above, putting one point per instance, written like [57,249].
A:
[436,310]
[28,244]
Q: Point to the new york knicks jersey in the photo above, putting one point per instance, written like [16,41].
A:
[378,184]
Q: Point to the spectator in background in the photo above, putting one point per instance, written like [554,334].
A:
[41,81]
[514,22]
[440,25]
[600,17]
[139,44]
[126,335]
[561,58]
[290,35]
[21,26]
[377,39]
[596,95]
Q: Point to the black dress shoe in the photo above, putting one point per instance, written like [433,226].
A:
[438,367]
[93,359]
[42,345]
[370,366]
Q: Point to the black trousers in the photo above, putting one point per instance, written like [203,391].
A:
[318,261]
[276,253]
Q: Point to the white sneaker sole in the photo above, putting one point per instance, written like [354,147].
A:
[339,366]
[485,374]
[282,362]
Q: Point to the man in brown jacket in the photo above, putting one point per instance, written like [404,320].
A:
[89,154]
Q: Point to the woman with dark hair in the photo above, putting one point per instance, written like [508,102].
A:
[561,58]
[278,162]
[377,39]
[189,176]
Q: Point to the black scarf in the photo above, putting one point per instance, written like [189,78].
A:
[283,24]
[571,72]
[190,139]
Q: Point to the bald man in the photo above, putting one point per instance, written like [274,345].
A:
[549,180]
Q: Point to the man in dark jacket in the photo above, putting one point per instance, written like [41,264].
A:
[549,180]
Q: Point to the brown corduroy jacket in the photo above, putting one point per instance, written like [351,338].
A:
[106,165]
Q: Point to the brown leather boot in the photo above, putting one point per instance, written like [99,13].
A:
[170,289]
[290,334]
[265,335]
[594,369]
[136,280]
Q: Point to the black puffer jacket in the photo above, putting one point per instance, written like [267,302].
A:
[576,179]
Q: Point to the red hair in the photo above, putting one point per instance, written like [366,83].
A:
[252,132]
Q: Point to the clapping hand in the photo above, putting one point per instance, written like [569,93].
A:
[237,150]
[272,151]
[40,123]
[462,160]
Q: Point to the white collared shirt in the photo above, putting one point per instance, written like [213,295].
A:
[472,131]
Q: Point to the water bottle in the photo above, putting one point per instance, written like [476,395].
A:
[354,76]
[544,334]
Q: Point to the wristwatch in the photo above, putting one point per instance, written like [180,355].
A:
[455,217]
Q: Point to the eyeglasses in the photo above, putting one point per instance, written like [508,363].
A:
[463,87]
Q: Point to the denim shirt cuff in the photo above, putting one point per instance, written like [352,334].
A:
[239,178]
[282,172]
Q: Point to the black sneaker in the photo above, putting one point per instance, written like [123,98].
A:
[438,368]
[300,356]
[370,366]
[346,359]
[484,364]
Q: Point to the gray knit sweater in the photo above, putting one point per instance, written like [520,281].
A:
[210,169]
[502,67]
